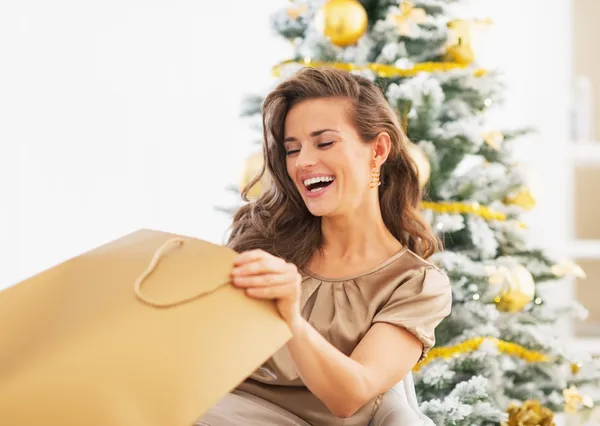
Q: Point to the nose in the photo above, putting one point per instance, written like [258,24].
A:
[307,157]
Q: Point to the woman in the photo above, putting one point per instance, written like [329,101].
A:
[338,244]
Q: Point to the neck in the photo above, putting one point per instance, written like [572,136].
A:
[360,235]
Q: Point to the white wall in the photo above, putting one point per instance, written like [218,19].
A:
[118,115]
[531,45]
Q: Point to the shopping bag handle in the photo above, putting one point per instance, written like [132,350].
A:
[137,287]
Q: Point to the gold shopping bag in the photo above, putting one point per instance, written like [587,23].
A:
[142,331]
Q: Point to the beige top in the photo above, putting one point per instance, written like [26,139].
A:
[404,290]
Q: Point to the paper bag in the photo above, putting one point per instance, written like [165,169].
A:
[144,331]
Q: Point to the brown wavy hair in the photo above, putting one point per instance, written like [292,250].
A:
[279,222]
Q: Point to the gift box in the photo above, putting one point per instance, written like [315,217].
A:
[146,330]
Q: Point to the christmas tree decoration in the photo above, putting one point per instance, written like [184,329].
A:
[463,208]
[381,70]
[296,11]
[530,413]
[515,287]
[422,162]
[494,139]
[407,16]
[344,22]
[568,268]
[474,343]
[458,47]
[252,168]
[522,198]
[575,401]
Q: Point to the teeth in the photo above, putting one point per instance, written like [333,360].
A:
[314,180]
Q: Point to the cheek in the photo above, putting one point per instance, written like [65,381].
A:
[360,178]
[291,168]
[356,173]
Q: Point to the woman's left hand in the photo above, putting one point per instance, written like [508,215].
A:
[265,276]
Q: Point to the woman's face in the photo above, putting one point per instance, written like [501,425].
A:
[326,159]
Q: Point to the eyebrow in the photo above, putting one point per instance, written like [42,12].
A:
[312,134]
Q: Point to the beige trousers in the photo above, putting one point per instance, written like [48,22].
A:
[243,409]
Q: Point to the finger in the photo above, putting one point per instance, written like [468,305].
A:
[271,292]
[260,266]
[263,280]
[250,256]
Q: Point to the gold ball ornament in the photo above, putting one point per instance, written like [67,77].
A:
[343,21]
[252,168]
[530,413]
[422,162]
[515,287]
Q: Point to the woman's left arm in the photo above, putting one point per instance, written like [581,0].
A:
[344,384]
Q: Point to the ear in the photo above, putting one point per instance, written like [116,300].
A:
[381,147]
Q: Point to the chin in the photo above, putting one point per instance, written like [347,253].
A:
[325,206]
[320,211]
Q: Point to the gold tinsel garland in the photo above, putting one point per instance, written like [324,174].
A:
[471,345]
[382,70]
[472,208]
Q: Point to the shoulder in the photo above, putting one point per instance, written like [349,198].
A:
[410,267]
[415,289]
[411,260]
[408,280]
[417,297]
[430,273]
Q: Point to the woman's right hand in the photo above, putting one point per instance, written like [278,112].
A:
[265,276]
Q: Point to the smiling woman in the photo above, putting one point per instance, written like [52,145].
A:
[337,242]
[340,121]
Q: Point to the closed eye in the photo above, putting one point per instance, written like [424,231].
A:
[325,144]
[322,145]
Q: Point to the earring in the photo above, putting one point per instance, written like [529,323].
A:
[375,182]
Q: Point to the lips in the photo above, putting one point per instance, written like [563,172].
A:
[318,182]
[315,185]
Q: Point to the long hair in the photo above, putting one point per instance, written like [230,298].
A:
[279,222]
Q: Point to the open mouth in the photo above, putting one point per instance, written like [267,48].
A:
[317,184]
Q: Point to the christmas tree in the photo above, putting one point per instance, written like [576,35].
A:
[497,352]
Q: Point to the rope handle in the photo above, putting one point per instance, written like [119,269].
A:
[137,286]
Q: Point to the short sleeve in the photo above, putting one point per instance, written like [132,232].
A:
[419,305]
